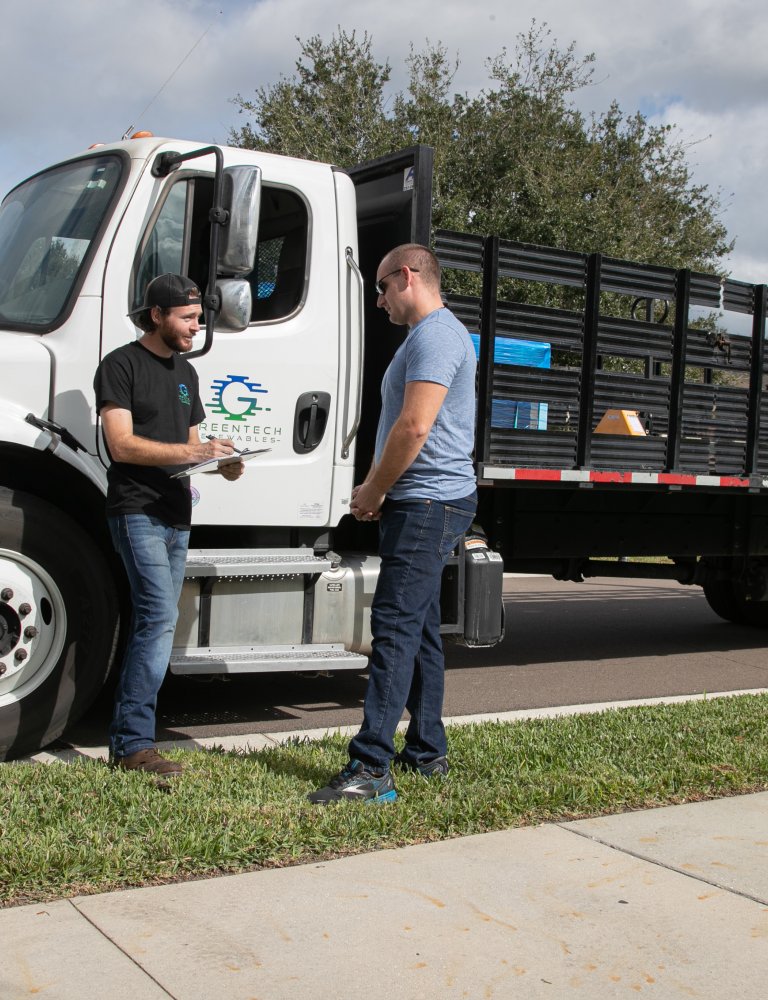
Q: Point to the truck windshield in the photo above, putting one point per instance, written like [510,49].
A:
[48,230]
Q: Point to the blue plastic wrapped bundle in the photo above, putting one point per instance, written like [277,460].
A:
[533,354]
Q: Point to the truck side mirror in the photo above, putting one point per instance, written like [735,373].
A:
[241,196]
[236,304]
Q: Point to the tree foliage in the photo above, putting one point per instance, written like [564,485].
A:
[333,109]
[518,159]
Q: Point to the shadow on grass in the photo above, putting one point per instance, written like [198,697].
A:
[296,758]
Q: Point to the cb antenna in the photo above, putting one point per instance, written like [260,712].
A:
[127,133]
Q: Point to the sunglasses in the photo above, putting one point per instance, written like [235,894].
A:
[381,288]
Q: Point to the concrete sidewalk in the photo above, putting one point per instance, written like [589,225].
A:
[664,903]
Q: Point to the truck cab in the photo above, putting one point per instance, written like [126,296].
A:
[277,577]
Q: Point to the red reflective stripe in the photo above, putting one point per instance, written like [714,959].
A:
[610,477]
[676,480]
[733,481]
[538,474]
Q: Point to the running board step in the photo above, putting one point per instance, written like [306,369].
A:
[254,562]
[266,659]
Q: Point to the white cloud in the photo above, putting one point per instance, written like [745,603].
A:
[728,151]
[76,73]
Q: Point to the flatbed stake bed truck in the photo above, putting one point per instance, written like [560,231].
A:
[279,576]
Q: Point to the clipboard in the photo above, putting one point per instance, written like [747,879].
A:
[212,464]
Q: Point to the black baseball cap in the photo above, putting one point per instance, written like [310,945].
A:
[167,291]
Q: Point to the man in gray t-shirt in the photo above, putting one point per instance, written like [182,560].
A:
[437,350]
[422,489]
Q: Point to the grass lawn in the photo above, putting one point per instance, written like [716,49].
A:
[82,828]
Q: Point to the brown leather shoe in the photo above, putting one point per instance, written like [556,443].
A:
[149,760]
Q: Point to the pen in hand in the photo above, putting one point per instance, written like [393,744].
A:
[237,451]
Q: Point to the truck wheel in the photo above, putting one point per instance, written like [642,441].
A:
[58,622]
[726,598]
[721,597]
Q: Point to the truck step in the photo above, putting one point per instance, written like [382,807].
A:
[254,562]
[265,659]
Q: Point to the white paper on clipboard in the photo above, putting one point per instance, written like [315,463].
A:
[212,464]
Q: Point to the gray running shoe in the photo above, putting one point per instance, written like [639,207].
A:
[358,781]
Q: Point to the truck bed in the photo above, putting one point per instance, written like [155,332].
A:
[653,342]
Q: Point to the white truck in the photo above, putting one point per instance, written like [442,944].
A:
[271,583]
[604,428]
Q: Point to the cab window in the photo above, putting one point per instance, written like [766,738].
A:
[178,240]
[50,227]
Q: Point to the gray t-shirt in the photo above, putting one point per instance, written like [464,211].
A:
[437,349]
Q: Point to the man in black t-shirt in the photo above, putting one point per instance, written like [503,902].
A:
[148,400]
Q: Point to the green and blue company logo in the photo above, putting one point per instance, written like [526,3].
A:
[236,398]
[184,394]
[238,409]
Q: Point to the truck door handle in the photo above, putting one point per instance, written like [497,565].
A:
[350,432]
[310,420]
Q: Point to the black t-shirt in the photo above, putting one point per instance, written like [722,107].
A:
[162,396]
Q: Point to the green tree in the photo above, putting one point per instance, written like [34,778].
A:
[518,159]
[332,109]
[425,113]
[516,148]
[640,201]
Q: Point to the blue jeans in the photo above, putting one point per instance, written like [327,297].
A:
[407,668]
[154,556]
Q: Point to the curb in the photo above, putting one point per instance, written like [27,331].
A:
[258,741]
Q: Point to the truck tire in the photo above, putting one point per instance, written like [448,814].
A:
[726,598]
[721,597]
[59,618]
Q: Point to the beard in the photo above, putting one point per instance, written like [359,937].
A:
[174,340]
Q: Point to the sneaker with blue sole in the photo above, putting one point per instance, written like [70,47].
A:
[359,782]
[435,768]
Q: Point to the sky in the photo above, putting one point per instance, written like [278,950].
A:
[83,71]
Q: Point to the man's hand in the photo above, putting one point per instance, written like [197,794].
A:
[232,470]
[225,447]
[215,447]
[366,502]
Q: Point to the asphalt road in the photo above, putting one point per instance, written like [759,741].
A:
[602,640]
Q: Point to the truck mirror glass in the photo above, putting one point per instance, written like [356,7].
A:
[236,304]
[241,194]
